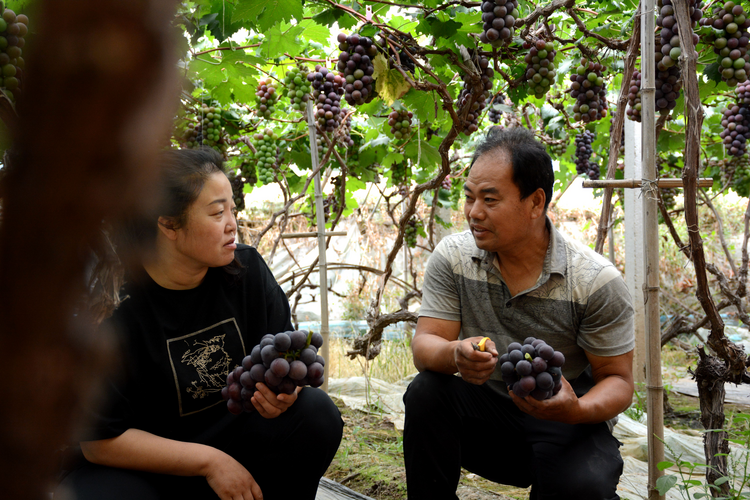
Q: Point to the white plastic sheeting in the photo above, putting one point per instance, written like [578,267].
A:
[385,399]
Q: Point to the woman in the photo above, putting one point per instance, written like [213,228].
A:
[195,309]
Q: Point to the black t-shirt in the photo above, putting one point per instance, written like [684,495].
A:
[179,345]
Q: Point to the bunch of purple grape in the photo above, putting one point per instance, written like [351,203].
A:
[328,87]
[588,88]
[499,18]
[476,103]
[283,362]
[532,369]
[355,62]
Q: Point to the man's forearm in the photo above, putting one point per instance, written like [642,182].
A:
[139,450]
[607,399]
[434,353]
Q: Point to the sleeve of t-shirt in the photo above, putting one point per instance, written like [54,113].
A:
[440,297]
[608,327]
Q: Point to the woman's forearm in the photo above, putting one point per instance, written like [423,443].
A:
[139,450]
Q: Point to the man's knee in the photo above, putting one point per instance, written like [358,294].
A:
[425,390]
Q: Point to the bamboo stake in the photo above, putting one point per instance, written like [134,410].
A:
[322,267]
[638,183]
[655,391]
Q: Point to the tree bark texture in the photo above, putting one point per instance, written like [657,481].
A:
[101,91]
[709,375]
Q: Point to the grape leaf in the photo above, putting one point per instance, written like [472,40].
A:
[392,158]
[248,10]
[425,105]
[389,83]
[429,156]
[315,32]
[440,29]
[713,72]
[267,13]
[281,39]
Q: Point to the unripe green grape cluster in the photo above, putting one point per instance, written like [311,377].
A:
[13,28]
[540,67]
[212,123]
[558,149]
[399,173]
[411,231]
[247,168]
[499,18]
[400,123]
[731,41]
[266,155]
[588,89]
[476,102]
[266,97]
[298,87]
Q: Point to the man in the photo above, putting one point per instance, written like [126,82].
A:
[512,276]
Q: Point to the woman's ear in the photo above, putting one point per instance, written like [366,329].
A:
[166,227]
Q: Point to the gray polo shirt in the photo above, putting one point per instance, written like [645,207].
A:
[579,303]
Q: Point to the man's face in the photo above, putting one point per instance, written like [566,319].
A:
[499,220]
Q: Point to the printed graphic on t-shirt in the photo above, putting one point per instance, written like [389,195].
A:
[201,361]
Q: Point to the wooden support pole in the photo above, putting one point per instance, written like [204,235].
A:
[321,234]
[637,183]
[312,234]
[654,388]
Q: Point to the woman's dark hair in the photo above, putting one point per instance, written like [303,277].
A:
[532,165]
[183,173]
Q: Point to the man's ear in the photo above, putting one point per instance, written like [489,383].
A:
[538,198]
[166,226]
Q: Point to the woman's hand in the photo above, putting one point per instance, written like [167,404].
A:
[230,480]
[270,404]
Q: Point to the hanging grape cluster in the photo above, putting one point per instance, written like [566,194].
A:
[540,67]
[588,89]
[395,42]
[282,362]
[355,62]
[298,86]
[667,168]
[583,154]
[499,17]
[476,103]
[399,121]
[557,149]
[266,97]
[730,44]
[205,126]
[343,134]
[13,28]
[633,111]
[400,173]
[735,122]
[327,92]
[248,171]
[494,113]
[238,185]
[411,231]
[267,155]
[668,43]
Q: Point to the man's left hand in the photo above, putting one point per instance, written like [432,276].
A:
[562,407]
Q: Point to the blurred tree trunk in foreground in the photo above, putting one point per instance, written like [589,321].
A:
[100,91]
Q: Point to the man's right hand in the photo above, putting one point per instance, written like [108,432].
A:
[475,366]
[230,480]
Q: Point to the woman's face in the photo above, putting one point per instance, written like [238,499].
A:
[207,238]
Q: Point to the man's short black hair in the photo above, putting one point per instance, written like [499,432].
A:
[532,165]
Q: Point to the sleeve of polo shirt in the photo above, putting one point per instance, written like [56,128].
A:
[440,297]
[608,327]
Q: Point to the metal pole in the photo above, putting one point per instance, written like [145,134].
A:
[321,243]
[655,391]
